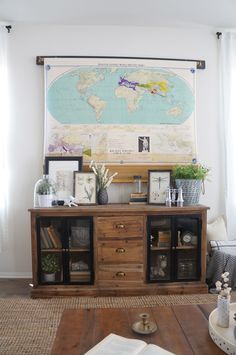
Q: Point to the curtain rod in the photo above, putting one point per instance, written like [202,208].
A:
[218,34]
[200,64]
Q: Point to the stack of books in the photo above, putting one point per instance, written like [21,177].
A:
[50,238]
[138,198]
[164,239]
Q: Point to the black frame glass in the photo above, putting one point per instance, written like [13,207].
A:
[54,168]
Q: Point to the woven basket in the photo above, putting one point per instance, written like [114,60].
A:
[191,190]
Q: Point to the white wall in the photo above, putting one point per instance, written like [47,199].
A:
[27,107]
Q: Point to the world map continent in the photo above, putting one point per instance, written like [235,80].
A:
[120,96]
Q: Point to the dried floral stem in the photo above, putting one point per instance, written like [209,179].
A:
[102,174]
[222,286]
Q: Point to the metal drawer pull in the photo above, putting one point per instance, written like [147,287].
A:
[120,250]
[120,274]
[120,226]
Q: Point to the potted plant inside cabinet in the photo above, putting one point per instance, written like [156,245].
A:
[50,266]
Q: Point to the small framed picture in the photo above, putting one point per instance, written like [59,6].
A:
[60,170]
[85,189]
[158,182]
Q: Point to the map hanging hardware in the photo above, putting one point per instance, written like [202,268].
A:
[200,64]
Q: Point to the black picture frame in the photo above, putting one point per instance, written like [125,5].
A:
[158,182]
[61,171]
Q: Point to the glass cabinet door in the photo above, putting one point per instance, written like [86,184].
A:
[50,250]
[187,246]
[65,251]
[174,248]
[80,250]
[159,249]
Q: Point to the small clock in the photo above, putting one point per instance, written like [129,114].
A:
[186,238]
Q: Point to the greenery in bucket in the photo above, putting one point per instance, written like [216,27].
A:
[50,264]
[190,171]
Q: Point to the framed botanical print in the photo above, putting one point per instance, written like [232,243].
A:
[61,170]
[85,189]
[158,183]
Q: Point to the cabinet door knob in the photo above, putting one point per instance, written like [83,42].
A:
[120,226]
[120,274]
[120,250]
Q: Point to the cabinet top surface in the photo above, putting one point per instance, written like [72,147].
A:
[119,208]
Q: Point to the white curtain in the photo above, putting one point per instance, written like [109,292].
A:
[228,124]
[4,122]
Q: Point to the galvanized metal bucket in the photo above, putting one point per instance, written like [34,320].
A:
[191,190]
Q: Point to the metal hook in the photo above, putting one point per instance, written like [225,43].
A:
[8,28]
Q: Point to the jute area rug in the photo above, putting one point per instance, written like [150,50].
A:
[28,326]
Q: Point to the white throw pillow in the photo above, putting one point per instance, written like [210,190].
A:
[216,230]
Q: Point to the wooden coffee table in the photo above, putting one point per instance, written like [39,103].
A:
[182,330]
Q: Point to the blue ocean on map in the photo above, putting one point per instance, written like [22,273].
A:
[92,95]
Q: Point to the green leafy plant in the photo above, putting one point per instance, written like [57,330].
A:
[46,187]
[50,263]
[190,171]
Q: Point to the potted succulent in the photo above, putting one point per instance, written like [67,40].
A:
[190,178]
[45,190]
[50,265]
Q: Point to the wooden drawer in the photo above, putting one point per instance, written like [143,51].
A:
[120,251]
[120,274]
[120,227]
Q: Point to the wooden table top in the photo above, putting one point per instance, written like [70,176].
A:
[182,330]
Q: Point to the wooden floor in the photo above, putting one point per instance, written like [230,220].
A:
[15,288]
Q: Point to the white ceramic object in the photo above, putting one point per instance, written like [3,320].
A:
[224,338]
[223,304]
[45,200]
[49,277]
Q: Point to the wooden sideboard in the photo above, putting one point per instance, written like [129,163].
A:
[120,249]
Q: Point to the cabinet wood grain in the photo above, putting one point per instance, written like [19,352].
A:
[120,227]
[119,250]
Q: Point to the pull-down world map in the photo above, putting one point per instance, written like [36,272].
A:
[117,109]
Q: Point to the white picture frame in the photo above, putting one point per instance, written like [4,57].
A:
[158,183]
[85,188]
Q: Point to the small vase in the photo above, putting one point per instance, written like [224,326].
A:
[223,308]
[102,197]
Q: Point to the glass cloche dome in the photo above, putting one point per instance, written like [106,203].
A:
[44,192]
